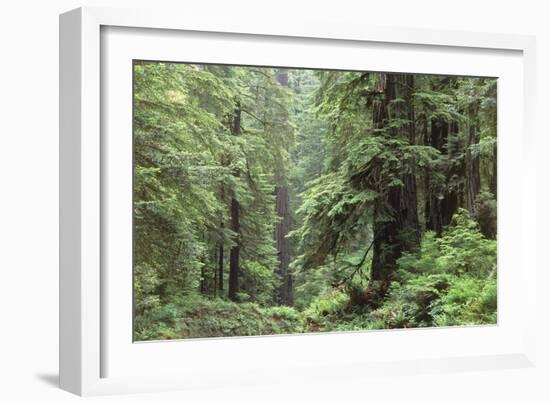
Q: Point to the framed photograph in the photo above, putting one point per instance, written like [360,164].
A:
[243,203]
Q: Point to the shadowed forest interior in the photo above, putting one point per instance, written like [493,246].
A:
[280,200]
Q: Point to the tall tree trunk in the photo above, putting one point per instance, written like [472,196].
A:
[402,232]
[473,180]
[235,225]
[220,247]
[442,203]
[435,202]
[284,293]
[220,265]
[234,253]
[203,281]
[493,182]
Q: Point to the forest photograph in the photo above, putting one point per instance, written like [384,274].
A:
[277,200]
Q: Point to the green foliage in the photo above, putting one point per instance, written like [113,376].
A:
[192,316]
[468,301]
[188,166]
[450,281]
[327,304]
[258,283]
[348,147]
[464,250]
[409,304]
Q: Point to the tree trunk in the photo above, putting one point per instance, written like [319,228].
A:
[220,266]
[215,273]
[220,247]
[283,294]
[442,203]
[473,181]
[402,232]
[203,281]
[235,224]
[234,253]
[493,182]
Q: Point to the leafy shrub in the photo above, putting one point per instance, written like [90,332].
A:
[464,249]
[145,284]
[283,319]
[328,303]
[461,249]
[469,301]
[310,284]
[356,322]
[409,305]
[193,316]
[259,282]
[450,281]
[327,311]
[157,333]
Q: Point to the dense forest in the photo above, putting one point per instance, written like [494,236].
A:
[277,201]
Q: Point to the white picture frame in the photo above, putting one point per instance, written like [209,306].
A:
[88,332]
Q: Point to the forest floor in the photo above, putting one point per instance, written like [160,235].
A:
[450,281]
[195,316]
[199,317]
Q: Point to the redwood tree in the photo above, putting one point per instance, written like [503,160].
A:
[396,226]
[235,223]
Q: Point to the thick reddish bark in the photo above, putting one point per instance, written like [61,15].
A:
[234,253]
[402,232]
[219,276]
[473,180]
[442,203]
[234,269]
[220,266]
